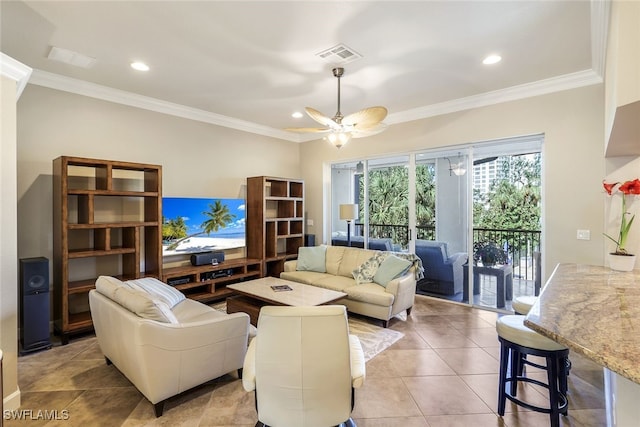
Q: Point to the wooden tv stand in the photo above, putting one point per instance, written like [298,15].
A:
[207,283]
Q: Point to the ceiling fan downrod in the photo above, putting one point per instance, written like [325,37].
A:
[338,72]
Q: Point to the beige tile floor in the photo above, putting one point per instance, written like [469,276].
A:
[443,372]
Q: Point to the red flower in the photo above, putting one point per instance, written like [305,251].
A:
[609,187]
[626,188]
[630,187]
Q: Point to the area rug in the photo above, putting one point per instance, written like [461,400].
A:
[373,338]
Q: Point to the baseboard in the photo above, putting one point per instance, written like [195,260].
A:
[12,401]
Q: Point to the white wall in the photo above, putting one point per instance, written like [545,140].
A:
[573,124]
[198,159]
[8,245]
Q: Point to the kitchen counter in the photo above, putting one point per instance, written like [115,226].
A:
[594,311]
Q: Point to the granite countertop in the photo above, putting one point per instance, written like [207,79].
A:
[594,311]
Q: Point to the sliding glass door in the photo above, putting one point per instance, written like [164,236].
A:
[442,218]
[380,190]
[472,214]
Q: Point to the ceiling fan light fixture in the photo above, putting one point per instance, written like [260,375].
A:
[338,138]
[458,169]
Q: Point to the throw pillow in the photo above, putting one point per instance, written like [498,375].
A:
[367,270]
[312,258]
[157,289]
[107,286]
[391,268]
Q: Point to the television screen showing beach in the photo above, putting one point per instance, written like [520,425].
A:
[192,225]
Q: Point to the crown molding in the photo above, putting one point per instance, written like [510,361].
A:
[80,87]
[600,17]
[105,93]
[15,70]
[513,93]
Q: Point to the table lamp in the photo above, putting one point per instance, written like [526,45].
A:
[349,212]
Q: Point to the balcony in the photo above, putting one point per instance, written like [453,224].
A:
[520,247]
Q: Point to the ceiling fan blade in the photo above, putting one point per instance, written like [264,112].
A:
[368,116]
[319,117]
[308,130]
[368,131]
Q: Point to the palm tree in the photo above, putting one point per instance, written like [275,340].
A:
[218,216]
[173,228]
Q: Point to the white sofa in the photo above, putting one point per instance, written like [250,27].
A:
[162,342]
[369,299]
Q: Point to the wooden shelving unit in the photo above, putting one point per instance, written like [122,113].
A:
[207,283]
[275,221]
[107,221]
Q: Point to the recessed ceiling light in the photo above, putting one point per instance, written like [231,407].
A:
[492,59]
[296,115]
[140,66]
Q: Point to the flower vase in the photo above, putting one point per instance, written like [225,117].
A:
[622,262]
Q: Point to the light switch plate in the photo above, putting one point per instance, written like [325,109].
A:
[584,235]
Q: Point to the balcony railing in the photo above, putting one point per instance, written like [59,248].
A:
[519,244]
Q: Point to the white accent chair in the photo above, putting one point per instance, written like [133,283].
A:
[165,352]
[303,366]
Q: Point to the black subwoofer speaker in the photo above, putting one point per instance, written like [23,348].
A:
[34,304]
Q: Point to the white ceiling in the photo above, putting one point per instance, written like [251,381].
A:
[249,65]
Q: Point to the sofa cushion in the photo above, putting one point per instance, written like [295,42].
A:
[191,313]
[134,300]
[371,293]
[157,289]
[312,258]
[107,286]
[352,259]
[335,283]
[390,268]
[308,277]
[334,258]
[188,310]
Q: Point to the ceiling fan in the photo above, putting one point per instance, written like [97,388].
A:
[342,128]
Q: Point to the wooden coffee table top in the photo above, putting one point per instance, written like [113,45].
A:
[299,295]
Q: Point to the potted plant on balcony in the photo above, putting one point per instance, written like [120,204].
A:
[621,259]
[488,253]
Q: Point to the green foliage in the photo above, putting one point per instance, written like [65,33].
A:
[513,200]
[389,199]
[173,228]
[488,253]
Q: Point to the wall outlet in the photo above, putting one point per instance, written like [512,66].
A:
[584,235]
[309,223]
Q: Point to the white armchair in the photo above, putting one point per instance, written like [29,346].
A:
[303,366]
[165,352]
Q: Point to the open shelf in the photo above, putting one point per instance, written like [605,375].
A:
[275,220]
[107,221]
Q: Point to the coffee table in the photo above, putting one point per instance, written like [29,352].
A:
[254,294]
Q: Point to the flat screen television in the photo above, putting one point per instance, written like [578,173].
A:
[191,225]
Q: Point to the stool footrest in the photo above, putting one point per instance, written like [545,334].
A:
[562,399]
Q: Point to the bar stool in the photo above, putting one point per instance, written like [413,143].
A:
[516,342]
[522,304]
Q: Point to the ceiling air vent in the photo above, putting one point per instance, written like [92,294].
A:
[339,54]
[70,57]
